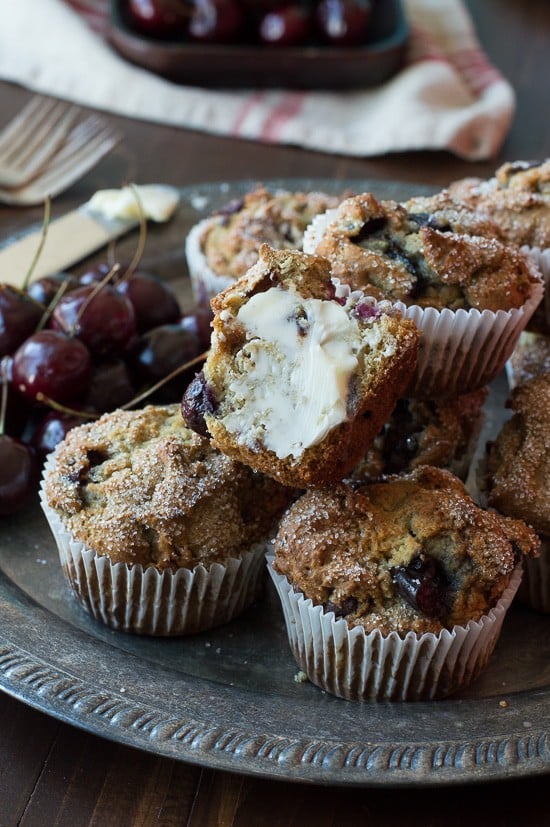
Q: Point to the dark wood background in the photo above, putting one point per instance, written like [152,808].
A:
[54,774]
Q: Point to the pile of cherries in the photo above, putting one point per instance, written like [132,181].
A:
[269,22]
[72,348]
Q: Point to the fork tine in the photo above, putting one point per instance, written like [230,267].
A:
[29,159]
[32,138]
[88,142]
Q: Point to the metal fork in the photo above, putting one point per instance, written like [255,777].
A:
[85,145]
[32,138]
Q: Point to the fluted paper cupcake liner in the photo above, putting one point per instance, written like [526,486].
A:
[146,601]
[205,283]
[356,665]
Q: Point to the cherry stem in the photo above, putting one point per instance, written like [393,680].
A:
[4,397]
[51,403]
[164,380]
[56,406]
[52,305]
[45,225]
[142,234]
[99,286]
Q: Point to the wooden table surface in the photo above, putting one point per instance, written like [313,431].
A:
[52,773]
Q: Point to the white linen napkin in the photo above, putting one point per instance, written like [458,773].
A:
[447,96]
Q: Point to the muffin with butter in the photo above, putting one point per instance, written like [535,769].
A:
[301,374]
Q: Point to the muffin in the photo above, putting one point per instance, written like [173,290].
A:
[517,200]
[442,433]
[300,375]
[222,247]
[531,357]
[517,477]
[157,532]
[396,590]
[470,295]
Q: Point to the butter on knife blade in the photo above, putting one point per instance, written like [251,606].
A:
[70,238]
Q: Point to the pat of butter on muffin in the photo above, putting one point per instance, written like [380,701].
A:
[302,362]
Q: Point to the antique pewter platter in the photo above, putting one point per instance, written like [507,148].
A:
[228,698]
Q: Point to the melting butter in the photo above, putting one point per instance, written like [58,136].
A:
[158,202]
[294,371]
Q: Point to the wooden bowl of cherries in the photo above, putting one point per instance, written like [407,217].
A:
[299,44]
[74,347]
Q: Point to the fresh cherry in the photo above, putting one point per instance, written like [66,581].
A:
[19,317]
[216,21]
[110,386]
[161,351]
[95,274]
[52,364]
[101,317]
[19,472]
[153,299]
[285,26]
[158,18]
[53,428]
[344,22]
[198,324]
[45,289]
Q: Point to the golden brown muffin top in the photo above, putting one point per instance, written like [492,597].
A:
[518,461]
[423,258]
[141,488]
[516,198]
[413,553]
[231,240]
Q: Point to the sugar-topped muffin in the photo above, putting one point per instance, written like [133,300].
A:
[516,476]
[516,198]
[411,553]
[158,532]
[396,590]
[469,295]
[301,374]
[435,259]
[518,459]
[223,246]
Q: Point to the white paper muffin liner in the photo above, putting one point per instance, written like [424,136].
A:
[534,590]
[460,350]
[145,601]
[205,283]
[361,666]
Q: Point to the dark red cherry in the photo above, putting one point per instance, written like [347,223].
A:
[19,317]
[161,351]
[45,289]
[216,21]
[51,430]
[110,386]
[102,318]
[153,300]
[19,473]
[52,364]
[95,274]
[344,22]
[199,324]
[158,18]
[197,401]
[285,26]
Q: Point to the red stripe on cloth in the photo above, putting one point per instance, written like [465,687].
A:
[248,106]
[96,13]
[289,106]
